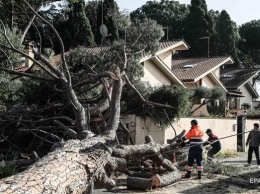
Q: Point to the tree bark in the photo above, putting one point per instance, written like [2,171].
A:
[137,183]
[66,170]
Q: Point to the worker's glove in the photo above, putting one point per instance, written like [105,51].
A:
[183,144]
[205,143]
[183,138]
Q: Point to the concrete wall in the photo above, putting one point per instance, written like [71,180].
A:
[221,127]
[145,126]
[154,75]
[130,122]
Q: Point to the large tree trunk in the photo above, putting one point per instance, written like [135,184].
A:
[71,169]
[79,165]
[154,181]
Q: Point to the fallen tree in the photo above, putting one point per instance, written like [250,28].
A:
[90,155]
[78,166]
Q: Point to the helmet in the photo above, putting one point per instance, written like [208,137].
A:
[208,131]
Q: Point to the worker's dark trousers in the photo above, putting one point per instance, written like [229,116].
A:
[212,152]
[250,153]
[195,153]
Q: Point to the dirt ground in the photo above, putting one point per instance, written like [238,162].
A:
[247,181]
[208,184]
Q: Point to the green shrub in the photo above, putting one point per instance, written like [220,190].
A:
[201,92]
[218,93]
[253,114]
[216,111]
[172,95]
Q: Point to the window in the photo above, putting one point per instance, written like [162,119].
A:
[227,75]
[189,65]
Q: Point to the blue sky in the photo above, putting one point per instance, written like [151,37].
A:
[240,11]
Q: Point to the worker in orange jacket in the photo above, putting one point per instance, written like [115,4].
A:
[195,137]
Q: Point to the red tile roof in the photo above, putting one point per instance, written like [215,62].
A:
[97,50]
[166,44]
[239,77]
[21,69]
[201,66]
[94,50]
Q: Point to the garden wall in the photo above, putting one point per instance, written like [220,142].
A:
[221,127]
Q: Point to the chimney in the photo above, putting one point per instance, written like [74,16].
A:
[29,45]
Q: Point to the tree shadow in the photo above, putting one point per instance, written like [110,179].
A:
[234,184]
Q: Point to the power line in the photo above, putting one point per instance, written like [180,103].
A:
[182,148]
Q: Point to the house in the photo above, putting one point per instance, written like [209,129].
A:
[157,68]
[205,72]
[200,71]
[240,86]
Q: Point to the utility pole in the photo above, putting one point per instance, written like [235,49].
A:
[206,37]
[167,32]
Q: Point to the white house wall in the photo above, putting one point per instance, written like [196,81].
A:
[207,82]
[217,73]
[247,99]
[166,58]
[154,75]
[257,88]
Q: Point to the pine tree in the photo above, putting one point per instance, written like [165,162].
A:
[227,37]
[92,8]
[199,24]
[170,14]
[249,43]
[78,26]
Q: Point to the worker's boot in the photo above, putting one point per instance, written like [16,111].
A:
[199,174]
[187,175]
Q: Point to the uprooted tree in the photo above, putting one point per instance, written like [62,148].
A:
[88,89]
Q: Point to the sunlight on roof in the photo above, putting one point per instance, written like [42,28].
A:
[189,65]
[228,75]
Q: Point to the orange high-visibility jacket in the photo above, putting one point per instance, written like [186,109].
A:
[195,135]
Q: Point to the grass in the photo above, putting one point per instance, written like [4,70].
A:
[218,168]
[227,154]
